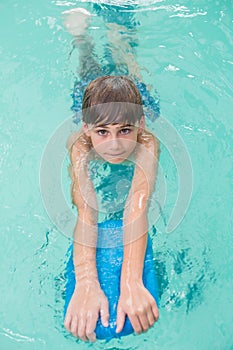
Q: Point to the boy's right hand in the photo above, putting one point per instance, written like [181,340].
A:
[87,303]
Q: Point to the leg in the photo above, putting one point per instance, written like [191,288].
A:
[89,68]
[122,51]
[121,33]
[76,22]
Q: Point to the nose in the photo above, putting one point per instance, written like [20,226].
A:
[114,144]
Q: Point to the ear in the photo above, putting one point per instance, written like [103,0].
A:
[141,124]
[86,129]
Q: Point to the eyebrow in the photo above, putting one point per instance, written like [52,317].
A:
[106,126]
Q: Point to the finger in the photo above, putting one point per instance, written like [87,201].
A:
[155,311]
[104,313]
[67,322]
[151,317]
[82,328]
[120,319]
[91,337]
[74,326]
[144,321]
[90,327]
[135,324]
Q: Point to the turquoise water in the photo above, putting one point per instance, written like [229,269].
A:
[186,52]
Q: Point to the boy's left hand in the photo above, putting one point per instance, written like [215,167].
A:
[139,305]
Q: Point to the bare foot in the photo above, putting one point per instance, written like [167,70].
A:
[76,21]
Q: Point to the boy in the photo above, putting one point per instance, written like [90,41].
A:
[113,130]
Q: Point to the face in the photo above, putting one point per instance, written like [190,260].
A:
[114,142]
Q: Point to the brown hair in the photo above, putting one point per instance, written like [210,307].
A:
[112,99]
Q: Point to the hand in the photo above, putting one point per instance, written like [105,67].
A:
[87,302]
[136,302]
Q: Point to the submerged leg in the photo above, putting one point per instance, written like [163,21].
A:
[76,22]
[88,68]
[122,52]
[122,36]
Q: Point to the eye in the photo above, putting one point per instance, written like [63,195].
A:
[102,132]
[125,131]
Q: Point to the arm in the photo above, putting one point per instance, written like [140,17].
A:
[88,300]
[135,300]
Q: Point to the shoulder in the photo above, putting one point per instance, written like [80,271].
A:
[78,145]
[149,140]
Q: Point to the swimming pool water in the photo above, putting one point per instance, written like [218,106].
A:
[185,50]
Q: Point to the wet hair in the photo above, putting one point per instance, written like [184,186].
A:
[112,100]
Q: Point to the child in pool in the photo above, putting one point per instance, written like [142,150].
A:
[113,129]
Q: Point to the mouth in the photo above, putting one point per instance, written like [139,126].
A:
[115,155]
